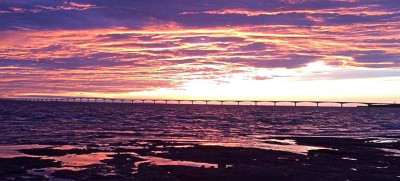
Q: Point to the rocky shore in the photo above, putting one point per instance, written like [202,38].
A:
[337,159]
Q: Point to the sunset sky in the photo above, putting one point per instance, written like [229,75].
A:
[342,50]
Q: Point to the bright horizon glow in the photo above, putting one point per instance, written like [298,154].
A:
[255,50]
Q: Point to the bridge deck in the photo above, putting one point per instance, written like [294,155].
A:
[173,101]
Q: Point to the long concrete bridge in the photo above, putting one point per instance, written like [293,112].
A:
[176,101]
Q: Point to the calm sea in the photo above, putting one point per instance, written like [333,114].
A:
[31,122]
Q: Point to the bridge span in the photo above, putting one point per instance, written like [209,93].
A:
[182,101]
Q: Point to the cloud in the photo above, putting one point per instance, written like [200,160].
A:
[254,47]
[125,13]
[64,63]
[150,43]
[289,61]
[346,73]
[261,78]
[374,58]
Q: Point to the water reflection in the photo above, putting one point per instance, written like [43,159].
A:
[74,160]
[287,146]
[164,161]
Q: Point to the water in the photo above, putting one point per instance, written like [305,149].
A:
[86,139]
[31,122]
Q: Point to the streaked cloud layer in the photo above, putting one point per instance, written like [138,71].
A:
[130,48]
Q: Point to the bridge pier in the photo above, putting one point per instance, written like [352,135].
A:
[206,102]
[192,102]
[274,104]
[238,103]
[154,102]
[295,104]
[179,102]
[166,102]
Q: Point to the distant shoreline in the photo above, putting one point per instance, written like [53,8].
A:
[386,105]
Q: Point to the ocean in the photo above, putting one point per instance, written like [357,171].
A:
[41,121]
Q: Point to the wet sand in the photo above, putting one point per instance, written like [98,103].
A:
[335,159]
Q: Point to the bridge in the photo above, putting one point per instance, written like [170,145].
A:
[176,101]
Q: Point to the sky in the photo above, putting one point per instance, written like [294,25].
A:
[338,50]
